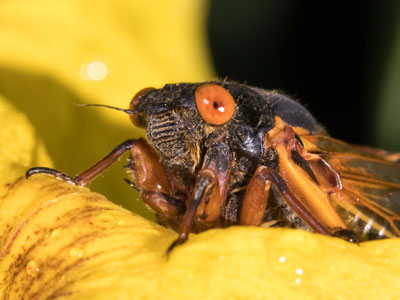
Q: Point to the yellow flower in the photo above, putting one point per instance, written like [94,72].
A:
[62,241]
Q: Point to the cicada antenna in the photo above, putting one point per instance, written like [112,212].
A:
[128,111]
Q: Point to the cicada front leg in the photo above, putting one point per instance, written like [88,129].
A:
[149,175]
[88,175]
[208,194]
[154,185]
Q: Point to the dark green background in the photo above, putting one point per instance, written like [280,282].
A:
[341,58]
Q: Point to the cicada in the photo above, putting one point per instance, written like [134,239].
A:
[222,153]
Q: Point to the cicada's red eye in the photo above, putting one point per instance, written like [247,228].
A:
[135,101]
[214,103]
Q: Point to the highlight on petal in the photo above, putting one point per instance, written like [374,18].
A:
[95,70]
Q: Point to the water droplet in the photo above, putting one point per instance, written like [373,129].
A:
[282,259]
[298,280]
[95,70]
[121,222]
[76,252]
[299,271]
[32,268]
[55,233]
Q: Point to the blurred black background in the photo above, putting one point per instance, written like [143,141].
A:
[329,54]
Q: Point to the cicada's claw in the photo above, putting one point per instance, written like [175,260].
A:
[52,172]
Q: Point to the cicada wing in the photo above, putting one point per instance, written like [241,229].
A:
[364,185]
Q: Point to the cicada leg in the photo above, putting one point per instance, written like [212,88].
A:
[255,199]
[205,182]
[209,192]
[151,179]
[298,185]
[85,177]
[257,194]
[149,176]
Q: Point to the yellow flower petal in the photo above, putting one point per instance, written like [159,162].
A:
[20,148]
[65,241]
